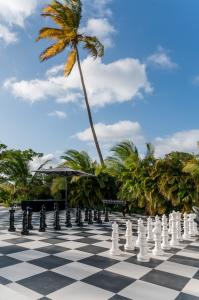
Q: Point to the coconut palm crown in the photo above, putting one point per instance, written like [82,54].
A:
[67,16]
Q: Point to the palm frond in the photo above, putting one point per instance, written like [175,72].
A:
[71,60]
[53,50]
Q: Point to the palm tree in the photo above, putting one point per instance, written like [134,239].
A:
[67,17]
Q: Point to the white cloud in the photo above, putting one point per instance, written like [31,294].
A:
[14,12]
[7,36]
[116,82]
[161,59]
[110,133]
[38,161]
[100,28]
[97,8]
[184,141]
[57,113]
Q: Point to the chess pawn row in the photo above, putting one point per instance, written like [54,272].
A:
[165,235]
[115,240]
[129,237]
[143,247]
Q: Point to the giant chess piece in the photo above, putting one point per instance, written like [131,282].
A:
[178,225]
[30,227]
[157,238]
[56,221]
[12,220]
[86,215]
[140,223]
[143,248]
[170,224]
[186,235]
[90,217]
[99,219]
[115,240]
[149,230]
[95,215]
[129,237]
[42,227]
[174,236]
[77,215]
[191,225]
[165,235]
[106,219]
[44,211]
[79,222]
[68,218]
[195,225]
[24,223]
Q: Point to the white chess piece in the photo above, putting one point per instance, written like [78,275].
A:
[140,223]
[191,225]
[115,240]
[157,238]
[195,225]
[170,223]
[174,240]
[129,237]
[178,226]
[149,230]
[165,235]
[185,235]
[143,248]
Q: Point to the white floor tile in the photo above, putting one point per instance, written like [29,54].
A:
[28,255]
[192,287]
[189,253]
[79,289]
[72,244]
[74,255]
[9,294]
[178,269]
[128,269]
[123,256]
[140,290]
[34,244]
[24,291]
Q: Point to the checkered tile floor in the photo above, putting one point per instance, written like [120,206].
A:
[75,264]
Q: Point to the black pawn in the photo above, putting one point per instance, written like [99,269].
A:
[95,215]
[68,218]
[106,219]
[86,215]
[99,220]
[42,227]
[24,224]
[44,211]
[56,222]
[90,217]
[12,220]
[77,215]
[80,223]
[30,227]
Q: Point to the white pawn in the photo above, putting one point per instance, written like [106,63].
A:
[115,240]
[129,237]
[186,235]
[140,223]
[149,230]
[191,225]
[165,235]
[178,225]
[170,223]
[174,236]
[143,253]
[157,238]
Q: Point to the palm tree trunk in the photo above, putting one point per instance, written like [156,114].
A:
[89,111]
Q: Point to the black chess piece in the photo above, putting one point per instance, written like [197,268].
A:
[77,215]
[90,217]
[30,227]
[12,220]
[106,219]
[95,215]
[80,223]
[99,219]
[44,211]
[68,218]
[24,223]
[56,221]
[42,227]
[86,215]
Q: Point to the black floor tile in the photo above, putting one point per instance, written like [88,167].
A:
[52,249]
[4,281]
[18,240]
[192,248]
[11,249]
[196,276]
[92,249]
[6,261]
[53,241]
[165,279]
[88,240]
[109,281]
[46,283]
[99,261]
[185,260]
[50,262]
[183,296]
[118,297]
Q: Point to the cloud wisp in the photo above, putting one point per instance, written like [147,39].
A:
[161,59]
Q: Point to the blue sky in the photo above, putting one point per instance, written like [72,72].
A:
[145,88]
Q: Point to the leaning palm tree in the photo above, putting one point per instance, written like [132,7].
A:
[67,16]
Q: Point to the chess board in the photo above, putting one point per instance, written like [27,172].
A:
[74,264]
